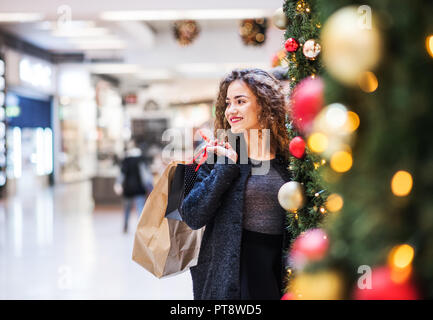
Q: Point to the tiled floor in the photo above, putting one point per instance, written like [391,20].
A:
[54,245]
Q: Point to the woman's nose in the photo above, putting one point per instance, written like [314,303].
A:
[231,109]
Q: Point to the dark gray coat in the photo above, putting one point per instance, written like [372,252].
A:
[216,201]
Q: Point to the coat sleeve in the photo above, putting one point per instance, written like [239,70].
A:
[201,204]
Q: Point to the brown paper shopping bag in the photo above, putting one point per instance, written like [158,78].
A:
[165,246]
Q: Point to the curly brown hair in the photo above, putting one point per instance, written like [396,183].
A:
[269,94]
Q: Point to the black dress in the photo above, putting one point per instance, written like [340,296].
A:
[262,237]
[260,266]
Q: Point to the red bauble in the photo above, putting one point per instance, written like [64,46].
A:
[288,296]
[291,45]
[313,244]
[297,147]
[309,246]
[307,100]
[383,288]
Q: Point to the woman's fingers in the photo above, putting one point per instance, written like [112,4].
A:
[219,150]
[225,150]
[213,148]
[215,142]
[228,146]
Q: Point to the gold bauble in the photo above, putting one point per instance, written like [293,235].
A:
[351,44]
[291,196]
[311,49]
[325,285]
[279,19]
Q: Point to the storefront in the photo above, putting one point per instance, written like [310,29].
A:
[29,122]
[91,126]
[110,138]
[177,106]
[2,126]
[77,115]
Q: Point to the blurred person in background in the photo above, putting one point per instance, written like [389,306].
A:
[135,181]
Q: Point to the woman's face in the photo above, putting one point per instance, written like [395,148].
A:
[241,107]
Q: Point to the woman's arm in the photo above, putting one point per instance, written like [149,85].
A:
[201,204]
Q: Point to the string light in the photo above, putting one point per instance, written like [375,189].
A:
[401,183]
[335,117]
[318,142]
[400,261]
[429,45]
[318,193]
[368,82]
[352,122]
[341,161]
[402,256]
[334,202]
[322,210]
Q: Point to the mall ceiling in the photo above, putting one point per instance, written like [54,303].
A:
[135,37]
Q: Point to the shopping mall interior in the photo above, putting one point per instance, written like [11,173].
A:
[100,101]
[80,80]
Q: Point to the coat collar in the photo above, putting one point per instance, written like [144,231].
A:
[281,165]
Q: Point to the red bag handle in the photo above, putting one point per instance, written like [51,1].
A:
[203,153]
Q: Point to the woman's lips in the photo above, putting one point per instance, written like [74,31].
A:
[236,119]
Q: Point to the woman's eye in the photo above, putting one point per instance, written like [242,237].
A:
[240,101]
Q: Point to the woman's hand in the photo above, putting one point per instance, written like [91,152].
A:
[222,149]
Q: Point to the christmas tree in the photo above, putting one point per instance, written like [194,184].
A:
[304,197]
[302,33]
[374,130]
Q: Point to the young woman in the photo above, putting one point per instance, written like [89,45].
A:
[242,254]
